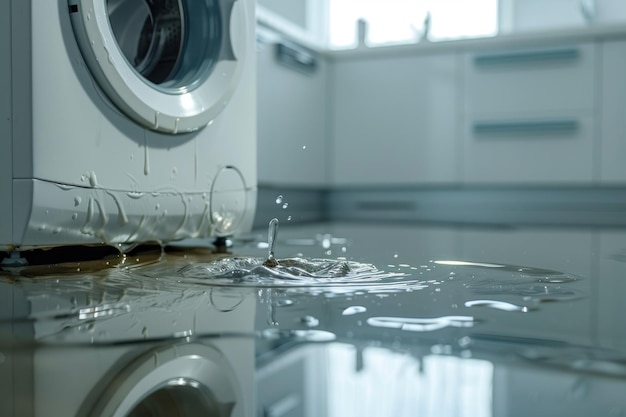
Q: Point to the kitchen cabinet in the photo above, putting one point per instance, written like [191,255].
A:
[394,120]
[613,113]
[529,115]
[608,298]
[292,139]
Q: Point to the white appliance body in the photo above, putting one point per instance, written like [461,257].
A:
[126,121]
[110,353]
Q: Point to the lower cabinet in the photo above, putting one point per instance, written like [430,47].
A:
[546,148]
[613,113]
[394,119]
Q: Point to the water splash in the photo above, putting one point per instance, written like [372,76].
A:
[289,272]
[272,233]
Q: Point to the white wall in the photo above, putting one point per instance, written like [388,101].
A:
[529,15]
[293,10]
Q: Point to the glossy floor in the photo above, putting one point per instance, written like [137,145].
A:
[473,322]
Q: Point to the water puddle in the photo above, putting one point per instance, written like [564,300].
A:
[290,272]
[530,285]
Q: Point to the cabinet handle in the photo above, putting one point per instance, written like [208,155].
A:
[527,57]
[528,127]
[297,57]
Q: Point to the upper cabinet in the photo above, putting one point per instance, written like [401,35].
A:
[394,119]
[613,112]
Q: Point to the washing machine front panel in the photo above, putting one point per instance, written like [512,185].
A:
[170,65]
[84,168]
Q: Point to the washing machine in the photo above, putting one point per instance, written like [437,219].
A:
[94,351]
[125,121]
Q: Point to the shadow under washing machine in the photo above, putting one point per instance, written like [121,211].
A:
[125,351]
[127,121]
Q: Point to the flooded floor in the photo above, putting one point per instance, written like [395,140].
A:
[354,320]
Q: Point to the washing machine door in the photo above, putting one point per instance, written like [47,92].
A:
[188,380]
[170,65]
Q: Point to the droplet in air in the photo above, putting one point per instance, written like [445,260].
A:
[279,199]
[285,205]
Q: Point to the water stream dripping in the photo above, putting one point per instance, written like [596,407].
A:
[272,233]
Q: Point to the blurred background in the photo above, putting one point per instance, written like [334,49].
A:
[489,111]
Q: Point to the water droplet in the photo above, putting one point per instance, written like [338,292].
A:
[93,180]
[395,255]
[285,205]
[288,218]
[279,199]
[304,147]
[465,341]
[310,321]
[411,324]
[498,305]
[349,311]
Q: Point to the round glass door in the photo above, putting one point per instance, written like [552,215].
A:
[187,380]
[170,65]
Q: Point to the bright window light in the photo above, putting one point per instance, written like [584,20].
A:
[402,21]
[399,385]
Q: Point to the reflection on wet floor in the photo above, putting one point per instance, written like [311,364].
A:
[439,328]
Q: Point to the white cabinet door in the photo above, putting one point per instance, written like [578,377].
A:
[535,148]
[291,111]
[394,120]
[529,116]
[613,110]
[534,79]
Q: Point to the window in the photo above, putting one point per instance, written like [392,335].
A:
[402,21]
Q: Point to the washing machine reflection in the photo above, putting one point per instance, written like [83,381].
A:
[98,348]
